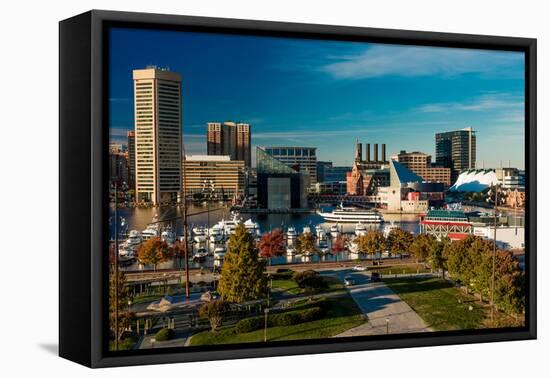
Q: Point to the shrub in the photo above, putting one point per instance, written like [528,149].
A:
[249,324]
[284,270]
[164,334]
[284,319]
[310,314]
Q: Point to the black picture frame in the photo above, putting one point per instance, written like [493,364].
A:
[83,141]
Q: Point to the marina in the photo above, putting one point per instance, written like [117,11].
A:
[209,232]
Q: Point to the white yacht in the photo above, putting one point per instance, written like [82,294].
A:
[320,233]
[216,234]
[353,248]
[291,233]
[252,227]
[152,229]
[219,253]
[199,234]
[352,214]
[323,247]
[125,255]
[334,231]
[360,229]
[134,238]
[389,227]
[200,254]
[168,236]
[149,232]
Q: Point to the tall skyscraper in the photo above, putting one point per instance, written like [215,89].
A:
[456,150]
[231,139]
[157,109]
[131,159]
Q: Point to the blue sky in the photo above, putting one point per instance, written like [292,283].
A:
[325,94]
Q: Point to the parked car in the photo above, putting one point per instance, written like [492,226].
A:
[359,268]
[349,281]
[375,276]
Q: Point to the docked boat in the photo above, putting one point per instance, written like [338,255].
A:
[168,236]
[126,254]
[353,248]
[389,227]
[291,233]
[149,232]
[320,233]
[334,231]
[200,254]
[360,229]
[323,247]
[134,239]
[216,234]
[252,227]
[199,234]
[306,230]
[219,253]
[352,215]
[152,230]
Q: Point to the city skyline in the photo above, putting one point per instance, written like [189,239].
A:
[325,94]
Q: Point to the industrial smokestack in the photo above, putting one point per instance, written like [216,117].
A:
[383,152]
[368,152]
[376,152]
[358,151]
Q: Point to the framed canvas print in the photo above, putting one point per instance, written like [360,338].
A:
[234,188]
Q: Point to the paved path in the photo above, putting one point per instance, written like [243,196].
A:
[378,302]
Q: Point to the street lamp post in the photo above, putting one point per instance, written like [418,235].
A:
[266,311]
[128,314]
[387,326]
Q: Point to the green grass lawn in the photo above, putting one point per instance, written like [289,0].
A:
[437,303]
[342,314]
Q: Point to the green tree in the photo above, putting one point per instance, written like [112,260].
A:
[421,246]
[214,312]
[399,240]
[124,315]
[272,244]
[309,280]
[371,243]
[509,283]
[437,257]
[153,252]
[242,276]
[305,243]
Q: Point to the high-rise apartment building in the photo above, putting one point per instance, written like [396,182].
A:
[157,109]
[230,139]
[456,150]
[202,173]
[303,159]
[421,164]
[131,159]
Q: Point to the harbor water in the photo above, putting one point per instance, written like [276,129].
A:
[203,215]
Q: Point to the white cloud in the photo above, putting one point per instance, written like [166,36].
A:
[408,61]
[485,102]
